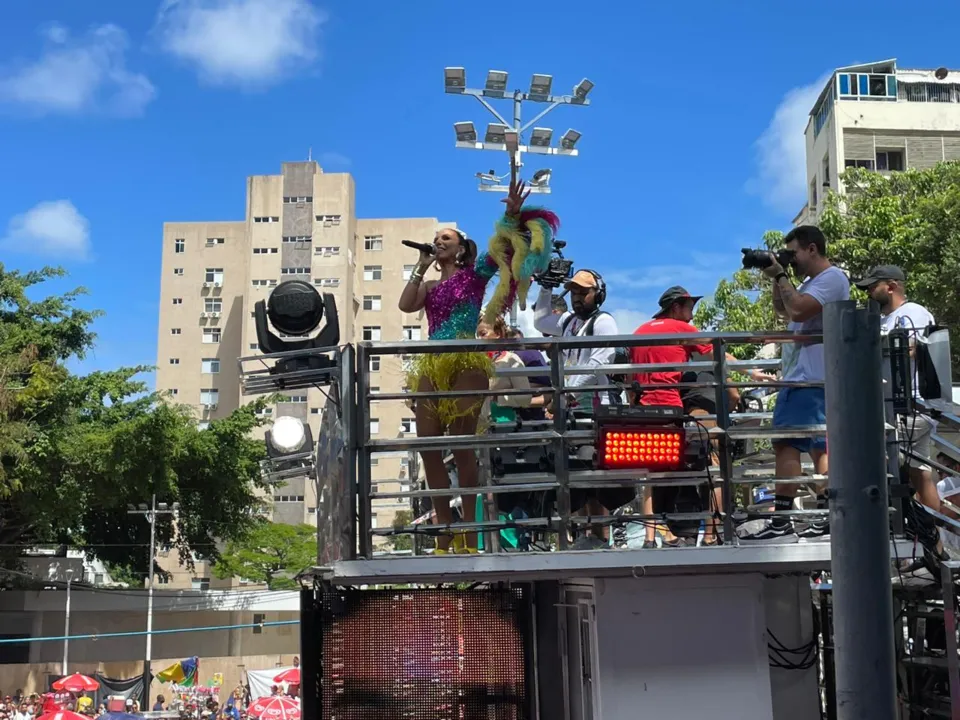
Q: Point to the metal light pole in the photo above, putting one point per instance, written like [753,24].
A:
[151,514]
[509,137]
[66,626]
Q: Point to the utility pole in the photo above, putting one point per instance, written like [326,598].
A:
[859,519]
[66,626]
[509,137]
[151,514]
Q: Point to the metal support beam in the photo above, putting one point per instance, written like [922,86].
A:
[860,537]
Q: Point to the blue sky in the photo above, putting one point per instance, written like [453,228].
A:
[116,116]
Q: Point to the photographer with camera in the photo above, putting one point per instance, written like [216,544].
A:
[587,292]
[802,307]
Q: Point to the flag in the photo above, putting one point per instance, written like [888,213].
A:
[181,673]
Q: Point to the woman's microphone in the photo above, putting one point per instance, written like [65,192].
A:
[422,247]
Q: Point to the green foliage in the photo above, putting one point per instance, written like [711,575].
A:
[402,519]
[272,554]
[76,450]
[910,219]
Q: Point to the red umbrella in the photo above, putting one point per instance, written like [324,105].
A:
[76,683]
[63,715]
[272,708]
[291,677]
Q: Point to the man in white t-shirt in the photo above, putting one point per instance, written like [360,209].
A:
[802,307]
[887,285]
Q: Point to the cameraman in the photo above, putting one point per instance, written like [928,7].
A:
[587,294]
[802,307]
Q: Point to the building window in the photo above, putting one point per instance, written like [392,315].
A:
[178,301]
[327,250]
[295,271]
[374,427]
[174,331]
[174,391]
[213,304]
[203,425]
[327,282]
[209,397]
[258,620]
[328,220]
[213,275]
[371,332]
[264,411]
[813,193]
[300,199]
[266,219]
[865,164]
[373,242]
[314,411]
[411,332]
[215,241]
[210,366]
[826,170]
[408,271]
[373,390]
[265,251]
[890,160]
[264,283]
[408,425]
[375,364]
[254,346]
[373,521]
[295,399]
[200,584]
[311,511]
[211,335]
[297,239]
[372,272]
[179,245]
[371,302]
[178,271]
[174,361]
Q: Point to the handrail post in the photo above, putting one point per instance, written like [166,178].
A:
[362,434]
[348,407]
[901,500]
[724,451]
[560,453]
[860,528]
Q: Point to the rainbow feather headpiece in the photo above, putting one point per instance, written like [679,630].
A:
[521,247]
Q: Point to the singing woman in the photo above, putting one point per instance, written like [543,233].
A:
[519,248]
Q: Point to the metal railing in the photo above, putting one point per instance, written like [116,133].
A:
[562,435]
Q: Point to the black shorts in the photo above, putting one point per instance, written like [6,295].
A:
[700,402]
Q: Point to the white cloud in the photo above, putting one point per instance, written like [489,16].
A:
[781,172]
[240,42]
[71,76]
[699,275]
[54,228]
[628,320]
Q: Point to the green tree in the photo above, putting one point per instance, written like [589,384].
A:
[402,519]
[911,219]
[75,451]
[271,554]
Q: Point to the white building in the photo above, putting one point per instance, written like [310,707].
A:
[880,117]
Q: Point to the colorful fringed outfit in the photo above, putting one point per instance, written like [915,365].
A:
[520,247]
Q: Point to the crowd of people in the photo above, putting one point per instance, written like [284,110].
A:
[453,308]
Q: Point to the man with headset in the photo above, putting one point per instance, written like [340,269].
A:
[587,293]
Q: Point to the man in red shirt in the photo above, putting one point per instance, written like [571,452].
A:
[676,312]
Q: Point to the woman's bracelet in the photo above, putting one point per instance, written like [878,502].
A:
[416,276]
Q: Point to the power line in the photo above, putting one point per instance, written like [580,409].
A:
[135,633]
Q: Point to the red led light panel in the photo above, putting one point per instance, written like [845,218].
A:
[632,447]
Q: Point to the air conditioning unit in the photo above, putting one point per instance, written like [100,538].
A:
[203,315]
[206,284]
[215,314]
[217,284]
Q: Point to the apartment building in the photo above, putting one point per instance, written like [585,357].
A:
[879,117]
[300,224]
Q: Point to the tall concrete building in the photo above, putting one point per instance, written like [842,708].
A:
[879,117]
[300,224]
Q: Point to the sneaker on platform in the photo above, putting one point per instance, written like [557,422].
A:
[772,533]
[817,531]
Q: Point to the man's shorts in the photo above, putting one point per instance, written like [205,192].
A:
[914,432]
[799,407]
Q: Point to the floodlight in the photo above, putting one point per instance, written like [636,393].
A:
[454,79]
[511,138]
[466,132]
[496,81]
[569,139]
[162,506]
[288,435]
[495,132]
[582,89]
[540,84]
[143,506]
[541,178]
[296,308]
[541,137]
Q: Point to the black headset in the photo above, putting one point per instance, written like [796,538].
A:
[601,294]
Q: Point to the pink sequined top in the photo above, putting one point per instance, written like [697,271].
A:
[453,305]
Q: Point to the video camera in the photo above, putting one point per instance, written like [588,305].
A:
[761,259]
[558,271]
